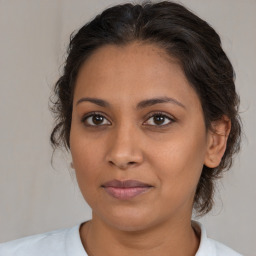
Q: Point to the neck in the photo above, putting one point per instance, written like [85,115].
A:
[169,238]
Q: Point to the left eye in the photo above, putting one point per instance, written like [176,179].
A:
[159,120]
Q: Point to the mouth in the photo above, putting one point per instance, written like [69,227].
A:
[125,190]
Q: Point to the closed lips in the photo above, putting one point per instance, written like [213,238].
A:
[125,184]
[125,190]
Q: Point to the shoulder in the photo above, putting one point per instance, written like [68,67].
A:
[50,243]
[223,250]
[209,246]
[55,243]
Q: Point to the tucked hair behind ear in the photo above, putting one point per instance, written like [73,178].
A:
[184,36]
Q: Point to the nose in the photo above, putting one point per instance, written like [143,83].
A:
[124,149]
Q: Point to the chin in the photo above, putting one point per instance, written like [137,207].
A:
[129,220]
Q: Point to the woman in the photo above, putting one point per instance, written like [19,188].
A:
[148,109]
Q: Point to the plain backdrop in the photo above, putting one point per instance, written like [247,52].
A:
[35,196]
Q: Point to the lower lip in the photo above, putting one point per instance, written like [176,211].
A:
[126,193]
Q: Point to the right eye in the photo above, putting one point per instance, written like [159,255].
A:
[95,119]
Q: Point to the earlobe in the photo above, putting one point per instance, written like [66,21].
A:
[217,141]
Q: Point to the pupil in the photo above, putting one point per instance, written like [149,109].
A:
[159,119]
[97,119]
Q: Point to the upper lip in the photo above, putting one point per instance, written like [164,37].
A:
[125,184]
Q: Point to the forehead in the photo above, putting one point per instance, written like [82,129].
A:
[133,72]
[136,59]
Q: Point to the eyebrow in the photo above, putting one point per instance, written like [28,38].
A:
[140,105]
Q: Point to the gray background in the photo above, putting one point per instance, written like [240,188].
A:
[34,197]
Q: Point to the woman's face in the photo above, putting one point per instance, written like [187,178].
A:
[138,138]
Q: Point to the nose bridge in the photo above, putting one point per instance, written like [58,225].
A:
[124,149]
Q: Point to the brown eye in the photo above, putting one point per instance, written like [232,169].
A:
[95,120]
[159,120]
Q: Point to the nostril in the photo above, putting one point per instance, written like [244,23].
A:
[122,165]
[111,162]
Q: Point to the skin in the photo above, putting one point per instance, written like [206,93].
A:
[129,144]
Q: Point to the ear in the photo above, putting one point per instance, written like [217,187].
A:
[217,141]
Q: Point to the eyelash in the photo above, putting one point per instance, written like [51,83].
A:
[170,118]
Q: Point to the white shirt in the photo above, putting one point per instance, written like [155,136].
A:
[67,242]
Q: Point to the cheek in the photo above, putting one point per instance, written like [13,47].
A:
[180,164]
[86,161]
[87,168]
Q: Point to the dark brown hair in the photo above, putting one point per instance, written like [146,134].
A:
[184,36]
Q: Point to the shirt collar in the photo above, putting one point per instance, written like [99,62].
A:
[205,246]
[73,241]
